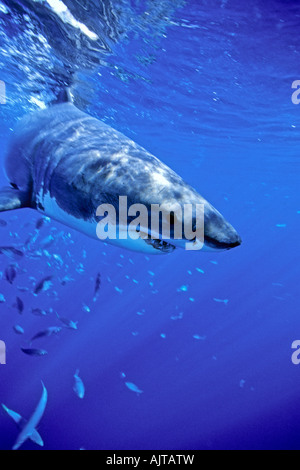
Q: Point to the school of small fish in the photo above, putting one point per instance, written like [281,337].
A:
[52,248]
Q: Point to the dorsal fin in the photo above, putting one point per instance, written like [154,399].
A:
[64,96]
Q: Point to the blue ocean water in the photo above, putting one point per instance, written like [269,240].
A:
[206,87]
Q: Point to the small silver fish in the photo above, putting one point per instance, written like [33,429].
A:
[19,305]
[68,323]
[79,387]
[43,285]
[23,289]
[220,301]
[39,223]
[11,252]
[46,333]
[18,330]
[10,274]
[97,287]
[47,242]
[133,388]
[39,312]
[34,352]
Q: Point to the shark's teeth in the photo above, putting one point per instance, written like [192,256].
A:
[160,245]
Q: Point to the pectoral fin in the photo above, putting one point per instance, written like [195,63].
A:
[13,415]
[11,199]
[36,438]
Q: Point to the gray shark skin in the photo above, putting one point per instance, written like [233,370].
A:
[65,163]
[28,428]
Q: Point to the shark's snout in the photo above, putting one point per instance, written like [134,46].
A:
[218,233]
[223,245]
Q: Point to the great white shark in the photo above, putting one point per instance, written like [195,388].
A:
[65,164]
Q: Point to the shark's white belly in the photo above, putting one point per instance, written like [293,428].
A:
[52,209]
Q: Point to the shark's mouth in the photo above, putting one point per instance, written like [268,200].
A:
[160,245]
